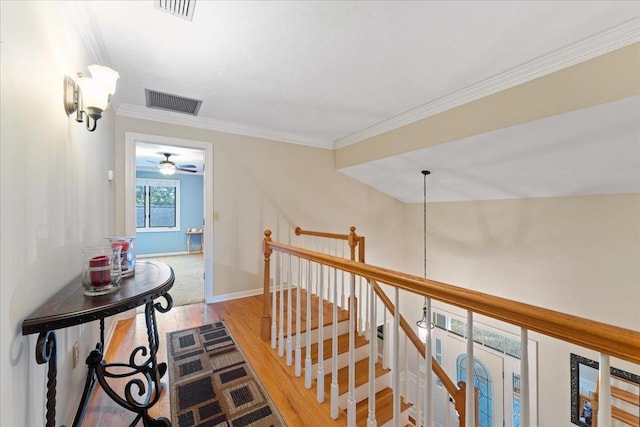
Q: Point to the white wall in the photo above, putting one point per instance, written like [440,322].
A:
[578,255]
[55,199]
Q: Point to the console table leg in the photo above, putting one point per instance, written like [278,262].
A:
[46,352]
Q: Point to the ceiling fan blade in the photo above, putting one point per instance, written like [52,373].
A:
[188,166]
[185,170]
[152,161]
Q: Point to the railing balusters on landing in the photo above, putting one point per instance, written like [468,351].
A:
[320,375]
[308,374]
[428,369]
[334,349]
[524,379]
[360,322]
[373,354]
[604,391]
[470,410]
[385,345]
[274,295]
[351,403]
[396,360]
[289,317]
[281,309]
[298,363]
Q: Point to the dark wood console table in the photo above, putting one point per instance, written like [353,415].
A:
[71,307]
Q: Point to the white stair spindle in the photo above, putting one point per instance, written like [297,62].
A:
[524,378]
[274,296]
[470,401]
[320,375]
[351,402]
[396,359]
[405,369]
[298,360]
[428,368]
[360,305]
[343,301]
[371,419]
[334,349]
[604,391]
[289,317]
[385,343]
[367,324]
[281,309]
[418,392]
[308,375]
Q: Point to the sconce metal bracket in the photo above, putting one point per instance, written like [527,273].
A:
[70,95]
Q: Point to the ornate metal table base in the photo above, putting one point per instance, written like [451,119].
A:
[144,376]
[138,381]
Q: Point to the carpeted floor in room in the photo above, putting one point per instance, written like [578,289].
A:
[189,272]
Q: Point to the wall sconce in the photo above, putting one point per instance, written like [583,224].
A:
[88,97]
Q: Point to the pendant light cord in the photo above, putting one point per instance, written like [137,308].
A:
[424,217]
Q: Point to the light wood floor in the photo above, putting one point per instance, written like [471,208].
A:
[296,404]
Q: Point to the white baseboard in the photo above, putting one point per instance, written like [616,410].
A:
[235,295]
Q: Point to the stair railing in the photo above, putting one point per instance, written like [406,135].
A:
[608,340]
[357,250]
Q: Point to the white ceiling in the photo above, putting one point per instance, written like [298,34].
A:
[325,73]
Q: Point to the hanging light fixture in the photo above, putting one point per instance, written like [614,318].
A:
[88,97]
[424,323]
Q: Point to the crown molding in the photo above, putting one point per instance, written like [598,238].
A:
[89,31]
[138,112]
[607,41]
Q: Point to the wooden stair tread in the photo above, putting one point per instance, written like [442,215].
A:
[361,377]
[327,311]
[384,408]
[625,417]
[625,395]
[343,347]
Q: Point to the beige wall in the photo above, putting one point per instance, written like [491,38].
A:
[579,255]
[55,199]
[260,184]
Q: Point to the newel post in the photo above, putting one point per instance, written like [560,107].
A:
[265,328]
[353,241]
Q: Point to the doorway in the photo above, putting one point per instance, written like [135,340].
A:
[205,215]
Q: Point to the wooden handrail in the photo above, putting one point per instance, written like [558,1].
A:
[299,231]
[419,345]
[608,339]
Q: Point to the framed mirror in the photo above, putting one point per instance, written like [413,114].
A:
[584,380]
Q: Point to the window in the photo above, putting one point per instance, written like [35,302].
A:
[481,380]
[439,359]
[157,205]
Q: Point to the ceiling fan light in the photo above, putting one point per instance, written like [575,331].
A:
[167,169]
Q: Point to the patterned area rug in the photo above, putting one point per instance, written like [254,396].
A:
[212,384]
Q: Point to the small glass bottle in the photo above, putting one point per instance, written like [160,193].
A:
[127,254]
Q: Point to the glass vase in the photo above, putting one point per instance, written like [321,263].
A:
[101,269]
[127,253]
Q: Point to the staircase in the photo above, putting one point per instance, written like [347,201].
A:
[323,361]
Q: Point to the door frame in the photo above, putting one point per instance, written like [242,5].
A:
[130,193]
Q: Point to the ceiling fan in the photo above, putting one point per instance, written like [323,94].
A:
[168,167]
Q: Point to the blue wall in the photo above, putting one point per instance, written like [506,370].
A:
[191,214]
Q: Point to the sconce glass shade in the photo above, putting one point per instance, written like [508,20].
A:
[105,76]
[94,93]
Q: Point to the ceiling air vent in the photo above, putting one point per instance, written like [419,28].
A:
[166,101]
[179,8]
